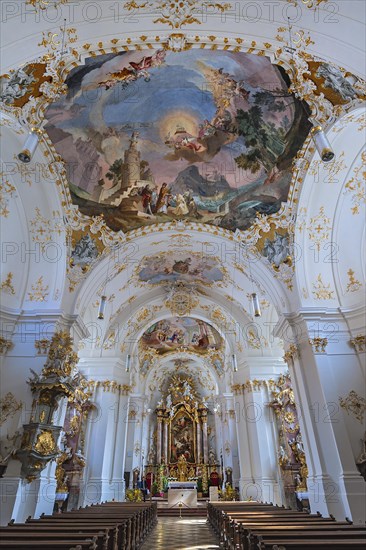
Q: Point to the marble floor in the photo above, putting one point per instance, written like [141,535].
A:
[173,533]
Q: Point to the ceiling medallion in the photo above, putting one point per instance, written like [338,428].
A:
[181,300]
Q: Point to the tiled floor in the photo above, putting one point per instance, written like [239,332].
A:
[181,534]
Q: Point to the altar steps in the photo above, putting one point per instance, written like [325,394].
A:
[200,512]
[174,511]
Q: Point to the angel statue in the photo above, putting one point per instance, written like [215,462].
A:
[186,389]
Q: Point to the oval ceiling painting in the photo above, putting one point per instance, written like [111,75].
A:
[152,137]
[191,334]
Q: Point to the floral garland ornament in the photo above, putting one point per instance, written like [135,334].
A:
[354,404]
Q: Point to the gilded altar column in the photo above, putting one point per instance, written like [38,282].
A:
[204,432]
[158,436]
[165,441]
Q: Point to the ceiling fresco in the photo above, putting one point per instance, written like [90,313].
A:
[174,267]
[170,335]
[151,137]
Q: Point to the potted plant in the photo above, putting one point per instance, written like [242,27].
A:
[154,489]
[199,487]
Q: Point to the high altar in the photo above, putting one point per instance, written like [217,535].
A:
[181,454]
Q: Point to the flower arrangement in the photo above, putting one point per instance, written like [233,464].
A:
[134,495]
[228,494]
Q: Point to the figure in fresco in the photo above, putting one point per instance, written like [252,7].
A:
[163,199]
[85,251]
[134,70]
[334,79]
[276,251]
[181,208]
[17,86]
[146,196]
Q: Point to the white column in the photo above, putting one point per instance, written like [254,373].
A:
[205,442]
[246,480]
[165,441]
[199,441]
[263,445]
[100,450]
[255,432]
[137,403]
[319,378]
[232,458]
[118,481]
[106,431]
[158,439]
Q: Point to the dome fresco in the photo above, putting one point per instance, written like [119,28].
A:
[157,136]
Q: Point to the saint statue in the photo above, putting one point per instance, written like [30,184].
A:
[182,469]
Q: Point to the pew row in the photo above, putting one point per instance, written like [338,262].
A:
[260,526]
[107,526]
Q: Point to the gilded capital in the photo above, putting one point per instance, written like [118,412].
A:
[5,345]
[359,343]
[290,354]
[318,344]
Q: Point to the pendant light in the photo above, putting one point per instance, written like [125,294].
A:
[102,304]
[322,144]
[255,304]
[128,363]
[30,145]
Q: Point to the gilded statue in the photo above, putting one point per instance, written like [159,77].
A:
[182,469]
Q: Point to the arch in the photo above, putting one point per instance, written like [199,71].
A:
[330,209]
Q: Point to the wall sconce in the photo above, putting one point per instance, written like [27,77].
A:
[255,304]
[103,302]
[128,363]
[30,145]
[234,363]
[322,144]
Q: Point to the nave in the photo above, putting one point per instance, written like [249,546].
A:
[182,317]
[174,533]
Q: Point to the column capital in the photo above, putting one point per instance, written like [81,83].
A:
[318,344]
[359,343]
[291,352]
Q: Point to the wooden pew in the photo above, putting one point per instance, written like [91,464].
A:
[248,526]
[38,532]
[48,545]
[107,526]
[308,544]
[256,535]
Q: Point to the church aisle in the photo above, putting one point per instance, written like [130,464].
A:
[181,534]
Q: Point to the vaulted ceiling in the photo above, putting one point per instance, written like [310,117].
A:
[214,105]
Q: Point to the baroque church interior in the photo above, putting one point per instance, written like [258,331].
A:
[182,268]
